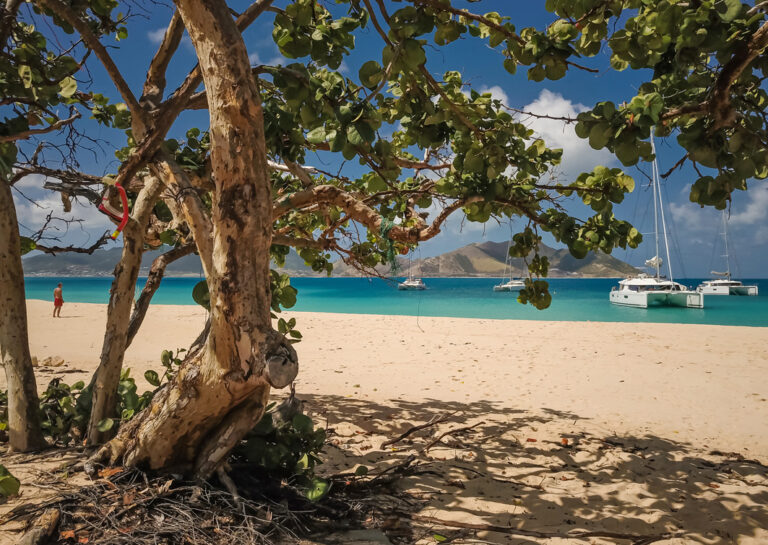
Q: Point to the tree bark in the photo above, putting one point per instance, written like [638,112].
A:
[24,429]
[107,375]
[220,393]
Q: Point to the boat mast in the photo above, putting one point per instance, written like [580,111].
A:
[727,257]
[507,260]
[655,210]
[657,191]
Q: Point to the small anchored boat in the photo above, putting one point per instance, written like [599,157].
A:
[725,285]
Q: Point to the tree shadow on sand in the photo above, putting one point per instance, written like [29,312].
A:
[507,475]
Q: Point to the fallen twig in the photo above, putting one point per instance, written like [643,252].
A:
[449,432]
[435,420]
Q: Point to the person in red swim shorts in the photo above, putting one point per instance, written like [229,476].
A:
[58,301]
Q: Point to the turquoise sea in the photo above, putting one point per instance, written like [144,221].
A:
[574,299]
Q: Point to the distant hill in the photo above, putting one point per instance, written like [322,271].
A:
[101,263]
[488,259]
[479,259]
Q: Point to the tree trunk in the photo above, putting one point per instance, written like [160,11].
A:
[121,294]
[220,393]
[23,405]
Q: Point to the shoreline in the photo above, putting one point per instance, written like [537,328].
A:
[425,316]
[696,383]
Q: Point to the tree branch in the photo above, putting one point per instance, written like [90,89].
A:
[92,41]
[53,250]
[156,272]
[719,102]
[435,4]
[50,128]
[360,212]
[154,85]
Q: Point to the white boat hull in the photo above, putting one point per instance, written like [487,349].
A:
[727,290]
[410,288]
[687,299]
[505,287]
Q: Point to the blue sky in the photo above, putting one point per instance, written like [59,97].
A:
[695,232]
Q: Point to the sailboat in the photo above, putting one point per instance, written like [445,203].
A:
[647,290]
[411,283]
[512,284]
[725,285]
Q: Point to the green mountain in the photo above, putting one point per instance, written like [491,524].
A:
[479,259]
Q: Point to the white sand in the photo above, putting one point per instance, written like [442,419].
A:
[695,383]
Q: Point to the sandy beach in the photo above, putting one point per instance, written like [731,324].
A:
[696,383]
[666,425]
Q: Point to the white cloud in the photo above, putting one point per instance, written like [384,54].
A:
[690,216]
[156,36]
[32,215]
[578,156]
[754,215]
[497,93]
[254,59]
[756,211]
[747,221]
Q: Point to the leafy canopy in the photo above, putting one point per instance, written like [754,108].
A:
[422,143]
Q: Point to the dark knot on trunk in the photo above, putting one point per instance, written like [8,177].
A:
[282,362]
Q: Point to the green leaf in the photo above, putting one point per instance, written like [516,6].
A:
[152,377]
[728,9]
[302,424]
[361,470]
[106,424]
[318,489]
[27,245]
[439,538]
[25,73]
[360,134]
[9,485]
[201,295]
[67,87]
[316,136]
[628,153]
[371,74]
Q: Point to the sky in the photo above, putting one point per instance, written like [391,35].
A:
[695,232]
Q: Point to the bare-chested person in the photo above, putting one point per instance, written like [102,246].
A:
[58,301]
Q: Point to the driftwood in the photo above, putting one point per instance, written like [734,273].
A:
[439,438]
[435,421]
[43,528]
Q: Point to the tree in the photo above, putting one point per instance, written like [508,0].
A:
[34,81]
[243,191]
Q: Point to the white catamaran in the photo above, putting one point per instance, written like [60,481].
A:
[511,284]
[655,290]
[725,285]
[411,283]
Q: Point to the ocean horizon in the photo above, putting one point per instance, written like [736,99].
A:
[573,299]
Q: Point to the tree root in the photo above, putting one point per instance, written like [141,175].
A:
[43,529]
[229,484]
